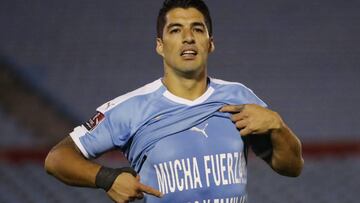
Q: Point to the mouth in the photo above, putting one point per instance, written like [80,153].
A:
[189,54]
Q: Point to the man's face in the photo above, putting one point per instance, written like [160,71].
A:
[186,43]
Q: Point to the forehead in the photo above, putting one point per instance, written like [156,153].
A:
[181,15]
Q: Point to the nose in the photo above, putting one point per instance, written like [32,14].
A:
[188,36]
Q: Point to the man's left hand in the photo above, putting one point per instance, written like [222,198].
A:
[253,119]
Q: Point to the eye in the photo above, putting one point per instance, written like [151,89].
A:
[175,30]
[199,30]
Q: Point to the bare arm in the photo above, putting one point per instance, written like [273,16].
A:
[254,120]
[286,156]
[66,163]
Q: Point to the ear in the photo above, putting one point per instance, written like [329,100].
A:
[159,47]
[211,45]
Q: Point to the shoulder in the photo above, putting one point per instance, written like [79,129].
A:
[229,85]
[236,92]
[131,98]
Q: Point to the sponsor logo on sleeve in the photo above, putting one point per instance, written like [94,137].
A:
[94,121]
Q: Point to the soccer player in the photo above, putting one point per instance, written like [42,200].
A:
[186,135]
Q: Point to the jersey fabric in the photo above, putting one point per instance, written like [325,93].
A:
[188,150]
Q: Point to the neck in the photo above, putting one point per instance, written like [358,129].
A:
[186,87]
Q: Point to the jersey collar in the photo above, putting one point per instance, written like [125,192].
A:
[187,102]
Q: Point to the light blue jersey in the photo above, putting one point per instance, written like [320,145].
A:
[188,150]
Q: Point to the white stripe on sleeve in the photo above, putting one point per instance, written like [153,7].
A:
[75,135]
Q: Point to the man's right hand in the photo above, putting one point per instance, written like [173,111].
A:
[127,188]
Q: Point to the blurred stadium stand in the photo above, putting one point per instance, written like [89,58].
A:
[59,60]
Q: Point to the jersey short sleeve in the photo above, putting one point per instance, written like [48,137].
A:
[115,122]
[102,132]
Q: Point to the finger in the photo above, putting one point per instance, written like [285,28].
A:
[245,131]
[238,116]
[232,108]
[149,190]
[241,124]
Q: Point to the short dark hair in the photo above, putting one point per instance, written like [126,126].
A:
[172,4]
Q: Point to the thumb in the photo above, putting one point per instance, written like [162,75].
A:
[232,108]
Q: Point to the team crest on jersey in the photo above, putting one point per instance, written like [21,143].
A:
[94,121]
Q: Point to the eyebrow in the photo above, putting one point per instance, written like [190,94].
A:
[173,25]
[198,24]
[180,25]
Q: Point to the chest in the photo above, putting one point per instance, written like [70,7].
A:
[216,135]
[203,160]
